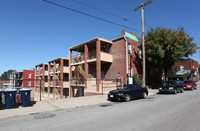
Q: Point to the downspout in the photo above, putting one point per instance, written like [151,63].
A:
[126,58]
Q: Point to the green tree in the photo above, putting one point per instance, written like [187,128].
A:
[6,75]
[164,46]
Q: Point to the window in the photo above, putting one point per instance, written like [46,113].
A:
[182,67]
[46,67]
[129,49]
[46,78]
[29,83]
[140,54]
[29,75]
[130,72]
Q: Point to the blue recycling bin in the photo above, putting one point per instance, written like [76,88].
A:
[1,96]
[10,95]
[1,104]
[25,96]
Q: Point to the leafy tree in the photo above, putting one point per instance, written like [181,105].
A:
[6,75]
[164,46]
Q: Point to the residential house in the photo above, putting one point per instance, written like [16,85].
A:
[187,69]
[23,79]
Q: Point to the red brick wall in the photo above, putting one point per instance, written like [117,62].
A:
[26,79]
[118,50]
[188,65]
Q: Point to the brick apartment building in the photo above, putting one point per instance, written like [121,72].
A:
[187,69]
[100,59]
[58,76]
[41,77]
[23,79]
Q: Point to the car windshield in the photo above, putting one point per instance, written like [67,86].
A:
[186,82]
[127,87]
[169,83]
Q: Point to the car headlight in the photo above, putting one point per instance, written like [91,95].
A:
[189,86]
[171,88]
[160,88]
[119,94]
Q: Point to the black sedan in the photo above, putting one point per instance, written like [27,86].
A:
[127,93]
[172,86]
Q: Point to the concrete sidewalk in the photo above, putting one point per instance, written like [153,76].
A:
[58,104]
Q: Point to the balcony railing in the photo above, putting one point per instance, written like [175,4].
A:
[78,59]
[77,82]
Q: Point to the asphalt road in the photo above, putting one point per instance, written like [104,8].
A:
[168,112]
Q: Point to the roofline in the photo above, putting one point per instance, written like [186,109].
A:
[89,41]
[41,64]
[117,38]
[59,58]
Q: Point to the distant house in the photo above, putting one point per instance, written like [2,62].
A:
[187,69]
[23,79]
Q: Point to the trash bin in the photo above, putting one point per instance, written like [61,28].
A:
[25,96]
[9,98]
[1,96]
[1,104]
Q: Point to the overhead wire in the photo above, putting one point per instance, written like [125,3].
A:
[105,12]
[83,13]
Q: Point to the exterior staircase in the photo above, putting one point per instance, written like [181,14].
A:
[82,72]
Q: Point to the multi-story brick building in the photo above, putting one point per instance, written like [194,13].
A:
[187,69]
[23,78]
[58,77]
[41,77]
[100,59]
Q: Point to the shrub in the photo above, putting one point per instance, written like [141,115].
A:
[137,80]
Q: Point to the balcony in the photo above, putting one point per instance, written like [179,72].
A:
[46,84]
[65,84]
[46,73]
[65,69]
[77,82]
[106,57]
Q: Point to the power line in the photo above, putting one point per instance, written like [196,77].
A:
[65,7]
[105,12]
[147,25]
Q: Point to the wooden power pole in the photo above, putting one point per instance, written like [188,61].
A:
[143,47]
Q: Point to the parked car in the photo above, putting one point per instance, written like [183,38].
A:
[189,85]
[172,86]
[127,93]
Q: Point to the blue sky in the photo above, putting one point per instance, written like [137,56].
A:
[34,32]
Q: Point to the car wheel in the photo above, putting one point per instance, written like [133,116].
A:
[175,91]
[144,95]
[127,97]
[182,90]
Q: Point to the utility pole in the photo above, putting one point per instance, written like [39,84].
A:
[143,47]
